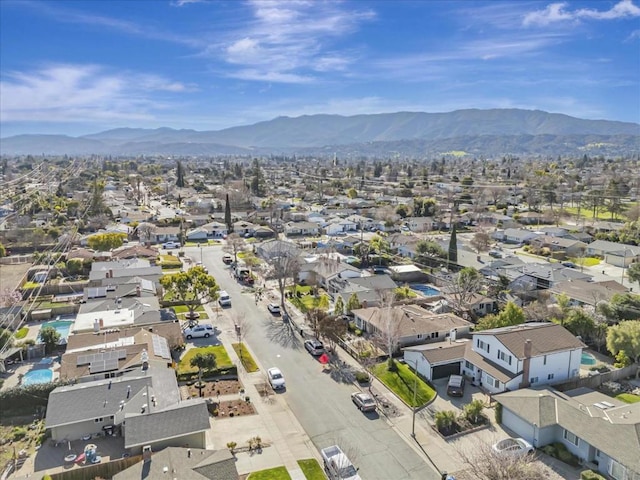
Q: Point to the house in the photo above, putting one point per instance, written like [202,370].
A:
[570,247]
[420,224]
[541,275]
[243,228]
[531,218]
[410,324]
[191,463]
[515,235]
[216,229]
[614,253]
[602,431]
[165,234]
[340,226]
[301,228]
[321,270]
[277,248]
[199,234]
[148,401]
[508,358]
[583,293]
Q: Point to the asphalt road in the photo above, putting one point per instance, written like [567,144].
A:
[320,401]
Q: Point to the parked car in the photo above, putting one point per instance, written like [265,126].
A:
[495,254]
[227,259]
[274,308]
[363,401]
[569,264]
[513,446]
[276,379]
[455,386]
[314,347]
[198,331]
[170,245]
[337,465]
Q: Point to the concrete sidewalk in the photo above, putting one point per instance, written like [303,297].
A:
[285,440]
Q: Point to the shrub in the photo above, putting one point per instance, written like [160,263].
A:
[20,334]
[498,413]
[19,433]
[362,377]
[591,475]
[232,446]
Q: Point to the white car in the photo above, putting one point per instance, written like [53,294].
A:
[170,245]
[276,379]
[274,308]
[513,446]
[198,331]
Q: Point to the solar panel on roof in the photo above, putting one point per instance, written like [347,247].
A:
[103,366]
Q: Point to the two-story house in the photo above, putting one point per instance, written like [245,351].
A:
[507,358]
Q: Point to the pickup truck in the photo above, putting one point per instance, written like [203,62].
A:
[337,465]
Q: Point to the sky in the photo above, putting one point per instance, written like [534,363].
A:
[84,66]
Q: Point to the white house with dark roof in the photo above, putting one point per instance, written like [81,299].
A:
[603,432]
[508,358]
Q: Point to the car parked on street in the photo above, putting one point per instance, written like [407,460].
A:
[276,379]
[363,401]
[513,446]
[227,259]
[170,245]
[274,308]
[495,254]
[198,331]
[314,347]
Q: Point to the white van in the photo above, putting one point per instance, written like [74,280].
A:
[224,299]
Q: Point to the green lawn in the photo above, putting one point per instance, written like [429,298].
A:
[247,360]
[403,383]
[586,261]
[311,469]
[628,398]
[169,261]
[278,473]
[222,358]
[588,213]
[20,334]
[185,309]
[203,244]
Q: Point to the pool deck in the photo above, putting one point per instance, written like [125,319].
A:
[13,377]
[600,361]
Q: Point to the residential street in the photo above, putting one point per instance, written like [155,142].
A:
[321,401]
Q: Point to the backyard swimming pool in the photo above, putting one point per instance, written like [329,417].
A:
[588,359]
[426,290]
[62,327]
[41,375]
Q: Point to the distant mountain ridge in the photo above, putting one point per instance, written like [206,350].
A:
[488,132]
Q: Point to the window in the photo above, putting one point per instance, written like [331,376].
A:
[468,365]
[504,357]
[435,334]
[544,360]
[98,420]
[483,346]
[571,438]
[419,336]
[550,376]
[534,380]
[616,470]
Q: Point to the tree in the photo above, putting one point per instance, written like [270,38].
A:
[623,306]
[332,329]
[379,245]
[5,338]
[104,242]
[473,411]
[227,215]
[202,362]
[445,421]
[579,322]
[466,284]
[192,287]
[633,272]
[481,241]
[338,308]
[429,249]
[511,315]
[453,246]
[50,337]
[484,463]
[3,251]
[235,244]
[625,336]
[352,193]
[145,230]
[315,317]
[353,303]
[284,267]
[402,210]
[179,175]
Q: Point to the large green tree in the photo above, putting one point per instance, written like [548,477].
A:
[633,272]
[103,242]
[50,337]
[353,303]
[192,287]
[227,214]
[206,361]
[453,245]
[511,315]
[429,248]
[180,183]
[625,337]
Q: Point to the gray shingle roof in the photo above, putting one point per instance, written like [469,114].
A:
[187,417]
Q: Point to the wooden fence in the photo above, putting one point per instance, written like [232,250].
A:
[596,380]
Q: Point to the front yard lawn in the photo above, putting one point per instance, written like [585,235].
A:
[586,261]
[628,397]
[222,358]
[246,359]
[278,473]
[311,469]
[169,261]
[20,334]
[403,382]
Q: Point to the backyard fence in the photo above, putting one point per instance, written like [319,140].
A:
[596,380]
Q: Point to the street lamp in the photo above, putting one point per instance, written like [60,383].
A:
[201,254]
[415,392]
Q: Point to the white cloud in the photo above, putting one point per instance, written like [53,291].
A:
[82,93]
[182,3]
[633,35]
[557,12]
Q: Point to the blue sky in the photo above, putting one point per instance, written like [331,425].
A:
[78,67]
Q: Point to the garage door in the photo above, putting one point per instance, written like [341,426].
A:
[442,371]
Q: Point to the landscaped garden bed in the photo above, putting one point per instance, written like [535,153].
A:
[213,388]
[450,425]
[231,408]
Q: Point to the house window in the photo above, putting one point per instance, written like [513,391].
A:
[504,357]
[534,380]
[435,334]
[571,438]
[617,471]
[544,360]
[419,336]
[468,365]
[98,420]
[483,346]
[550,376]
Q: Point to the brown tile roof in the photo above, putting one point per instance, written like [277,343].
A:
[545,338]
[169,330]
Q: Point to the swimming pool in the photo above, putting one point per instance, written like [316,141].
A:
[41,375]
[62,327]
[426,290]
[588,359]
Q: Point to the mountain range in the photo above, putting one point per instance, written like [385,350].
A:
[475,132]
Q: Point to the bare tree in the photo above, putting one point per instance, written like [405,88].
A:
[315,318]
[235,244]
[484,463]
[242,328]
[387,336]
[284,267]
[332,329]
[481,241]
[145,230]
[464,285]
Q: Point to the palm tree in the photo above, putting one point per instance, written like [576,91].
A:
[445,420]
[202,362]
[473,411]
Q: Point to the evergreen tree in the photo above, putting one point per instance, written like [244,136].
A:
[180,174]
[227,214]
[453,246]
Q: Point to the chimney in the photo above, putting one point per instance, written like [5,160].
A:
[526,364]
[146,453]
[188,452]
[110,273]
[138,290]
